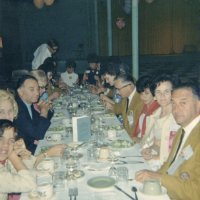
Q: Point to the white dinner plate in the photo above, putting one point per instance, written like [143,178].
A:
[101,182]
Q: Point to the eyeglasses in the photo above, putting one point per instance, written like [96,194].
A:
[164,93]
[123,87]
[43,87]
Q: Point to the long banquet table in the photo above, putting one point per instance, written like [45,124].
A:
[129,157]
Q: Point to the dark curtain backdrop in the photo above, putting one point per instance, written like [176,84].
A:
[165,27]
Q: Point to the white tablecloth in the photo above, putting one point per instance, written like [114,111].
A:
[87,193]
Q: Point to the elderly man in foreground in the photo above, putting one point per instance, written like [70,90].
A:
[180,174]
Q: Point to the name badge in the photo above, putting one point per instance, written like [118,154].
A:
[187,152]
[130,118]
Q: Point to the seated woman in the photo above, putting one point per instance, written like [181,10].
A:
[161,125]
[150,105]
[111,95]
[44,85]
[69,77]
[9,110]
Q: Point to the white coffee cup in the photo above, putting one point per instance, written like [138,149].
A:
[104,153]
[54,137]
[152,187]
[47,165]
[45,191]
[111,134]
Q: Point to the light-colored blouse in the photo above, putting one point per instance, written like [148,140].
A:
[15,182]
[163,129]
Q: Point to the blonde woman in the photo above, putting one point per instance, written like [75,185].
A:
[44,85]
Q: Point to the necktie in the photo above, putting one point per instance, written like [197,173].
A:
[127,104]
[179,145]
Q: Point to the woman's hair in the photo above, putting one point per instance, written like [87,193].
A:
[143,83]
[6,124]
[163,77]
[112,69]
[7,96]
[70,63]
[49,65]
[40,76]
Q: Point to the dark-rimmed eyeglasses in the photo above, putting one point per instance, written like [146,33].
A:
[124,86]
[43,87]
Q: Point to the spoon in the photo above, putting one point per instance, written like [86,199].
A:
[134,189]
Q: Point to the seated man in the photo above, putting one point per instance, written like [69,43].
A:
[91,75]
[31,125]
[131,106]
[180,174]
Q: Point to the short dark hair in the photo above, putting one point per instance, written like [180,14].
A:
[190,84]
[163,77]
[143,83]
[52,43]
[6,124]
[70,63]
[23,79]
[92,58]
[112,69]
[48,65]
[125,78]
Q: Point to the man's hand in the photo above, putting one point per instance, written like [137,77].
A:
[44,108]
[144,175]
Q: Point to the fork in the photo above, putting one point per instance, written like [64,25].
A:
[71,193]
[75,192]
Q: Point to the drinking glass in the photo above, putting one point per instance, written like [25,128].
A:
[113,170]
[122,174]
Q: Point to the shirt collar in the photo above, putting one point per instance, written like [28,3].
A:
[131,95]
[192,124]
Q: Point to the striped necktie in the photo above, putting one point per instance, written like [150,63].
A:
[179,145]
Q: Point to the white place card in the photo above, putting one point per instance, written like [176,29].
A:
[81,128]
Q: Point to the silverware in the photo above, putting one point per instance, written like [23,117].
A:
[118,188]
[129,156]
[75,192]
[134,189]
[70,193]
[121,162]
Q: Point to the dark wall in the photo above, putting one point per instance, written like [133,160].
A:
[70,22]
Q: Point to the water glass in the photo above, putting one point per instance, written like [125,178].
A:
[59,178]
[91,154]
[122,174]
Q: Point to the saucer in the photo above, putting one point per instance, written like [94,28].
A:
[164,191]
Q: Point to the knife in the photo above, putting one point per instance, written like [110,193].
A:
[121,162]
[118,188]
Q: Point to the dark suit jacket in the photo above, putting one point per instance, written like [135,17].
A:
[177,188]
[31,129]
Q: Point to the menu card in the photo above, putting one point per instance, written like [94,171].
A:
[81,128]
